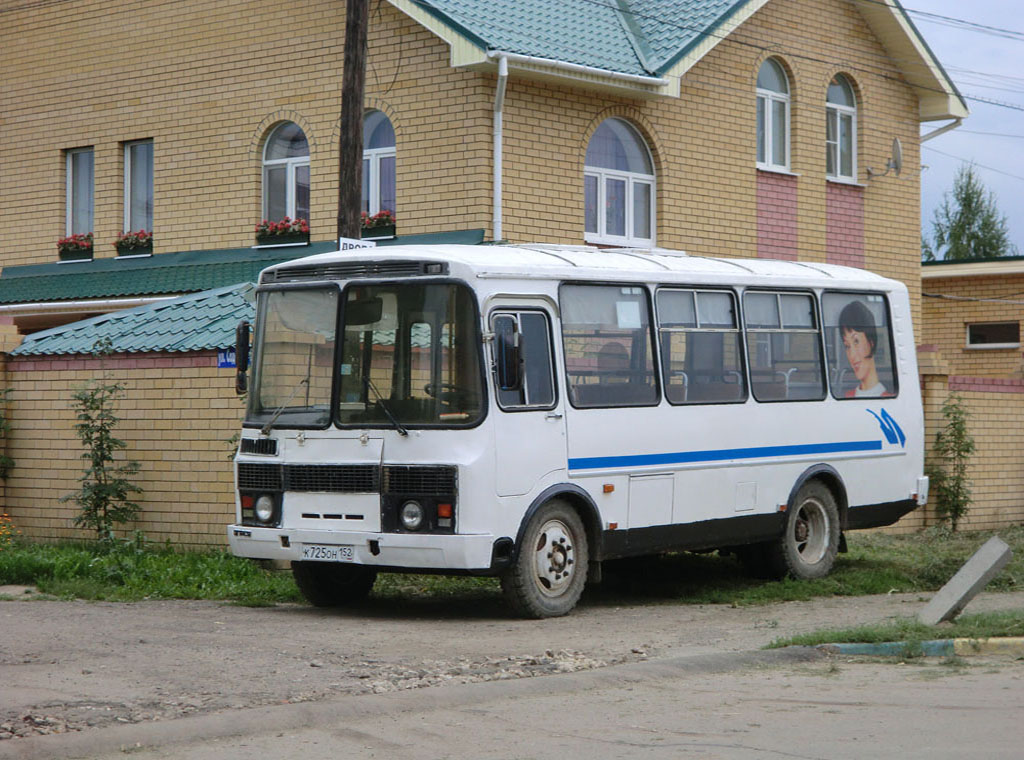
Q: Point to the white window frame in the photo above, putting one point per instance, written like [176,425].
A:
[770,97]
[632,179]
[127,225]
[989,346]
[291,167]
[373,157]
[834,111]
[69,189]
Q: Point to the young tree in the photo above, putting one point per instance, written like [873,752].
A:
[968,224]
[104,497]
[954,447]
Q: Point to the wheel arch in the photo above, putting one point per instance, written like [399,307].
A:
[832,480]
[579,500]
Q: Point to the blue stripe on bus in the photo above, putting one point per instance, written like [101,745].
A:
[721,455]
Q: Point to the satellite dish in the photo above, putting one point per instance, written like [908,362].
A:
[896,160]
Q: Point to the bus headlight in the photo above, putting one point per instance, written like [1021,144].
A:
[411,515]
[264,508]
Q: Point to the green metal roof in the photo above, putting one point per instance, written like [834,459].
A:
[639,37]
[648,38]
[198,322]
[166,273]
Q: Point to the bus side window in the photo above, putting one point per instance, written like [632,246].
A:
[537,390]
[858,345]
[784,346]
[702,354]
[606,339]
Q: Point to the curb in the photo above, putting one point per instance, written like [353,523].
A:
[331,711]
[1013,647]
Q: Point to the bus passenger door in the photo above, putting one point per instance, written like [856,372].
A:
[529,427]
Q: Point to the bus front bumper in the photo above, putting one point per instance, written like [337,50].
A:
[414,551]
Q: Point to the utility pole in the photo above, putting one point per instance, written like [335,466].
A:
[350,144]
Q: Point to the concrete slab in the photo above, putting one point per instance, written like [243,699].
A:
[981,568]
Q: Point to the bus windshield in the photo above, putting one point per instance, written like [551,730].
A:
[293,359]
[409,355]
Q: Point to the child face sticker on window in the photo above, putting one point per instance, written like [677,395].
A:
[858,345]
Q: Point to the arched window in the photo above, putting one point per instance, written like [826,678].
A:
[618,186]
[841,131]
[378,163]
[286,173]
[772,116]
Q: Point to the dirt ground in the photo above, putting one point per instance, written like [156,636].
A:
[69,666]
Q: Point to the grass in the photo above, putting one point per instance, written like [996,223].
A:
[129,571]
[875,564]
[979,626]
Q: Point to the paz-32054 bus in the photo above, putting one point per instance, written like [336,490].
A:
[529,412]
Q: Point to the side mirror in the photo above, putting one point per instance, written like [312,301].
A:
[507,354]
[242,333]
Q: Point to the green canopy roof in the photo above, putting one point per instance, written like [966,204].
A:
[198,322]
[166,273]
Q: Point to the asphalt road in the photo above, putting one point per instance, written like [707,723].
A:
[444,679]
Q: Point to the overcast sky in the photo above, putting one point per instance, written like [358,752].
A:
[983,64]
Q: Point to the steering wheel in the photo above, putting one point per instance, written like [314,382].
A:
[449,393]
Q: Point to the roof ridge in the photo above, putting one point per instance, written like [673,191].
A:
[635,35]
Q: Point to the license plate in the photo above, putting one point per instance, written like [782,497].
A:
[322,553]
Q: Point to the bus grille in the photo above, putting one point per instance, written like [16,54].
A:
[430,480]
[336,478]
[426,481]
[350,270]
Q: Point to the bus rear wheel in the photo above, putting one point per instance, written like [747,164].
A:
[808,546]
[333,584]
[550,570]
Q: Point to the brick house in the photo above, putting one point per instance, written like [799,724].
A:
[758,128]
[970,345]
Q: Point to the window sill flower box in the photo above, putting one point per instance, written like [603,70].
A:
[75,248]
[380,225]
[286,232]
[134,243]
[383,231]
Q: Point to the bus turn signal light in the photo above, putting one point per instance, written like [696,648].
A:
[444,511]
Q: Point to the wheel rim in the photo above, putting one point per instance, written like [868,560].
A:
[554,558]
[811,531]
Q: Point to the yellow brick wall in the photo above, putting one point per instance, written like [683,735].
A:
[704,143]
[177,415]
[990,381]
[207,84]
[970,300]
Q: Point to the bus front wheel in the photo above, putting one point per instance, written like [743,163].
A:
[810,542]
[550,569]
[333,584]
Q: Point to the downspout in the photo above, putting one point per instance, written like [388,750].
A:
[70,307]
[942,130]
[499,105]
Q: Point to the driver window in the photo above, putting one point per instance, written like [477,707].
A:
[537,390]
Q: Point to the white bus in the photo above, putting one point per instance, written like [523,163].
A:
[529,412]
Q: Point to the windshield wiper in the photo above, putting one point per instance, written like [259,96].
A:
[265,430]
[380,400]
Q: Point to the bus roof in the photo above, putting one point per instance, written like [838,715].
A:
[558,262]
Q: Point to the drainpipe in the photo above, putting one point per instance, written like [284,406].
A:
[942,130]
[71,307]
[499,105]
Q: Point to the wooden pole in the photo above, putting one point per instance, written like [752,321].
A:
[350,144]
